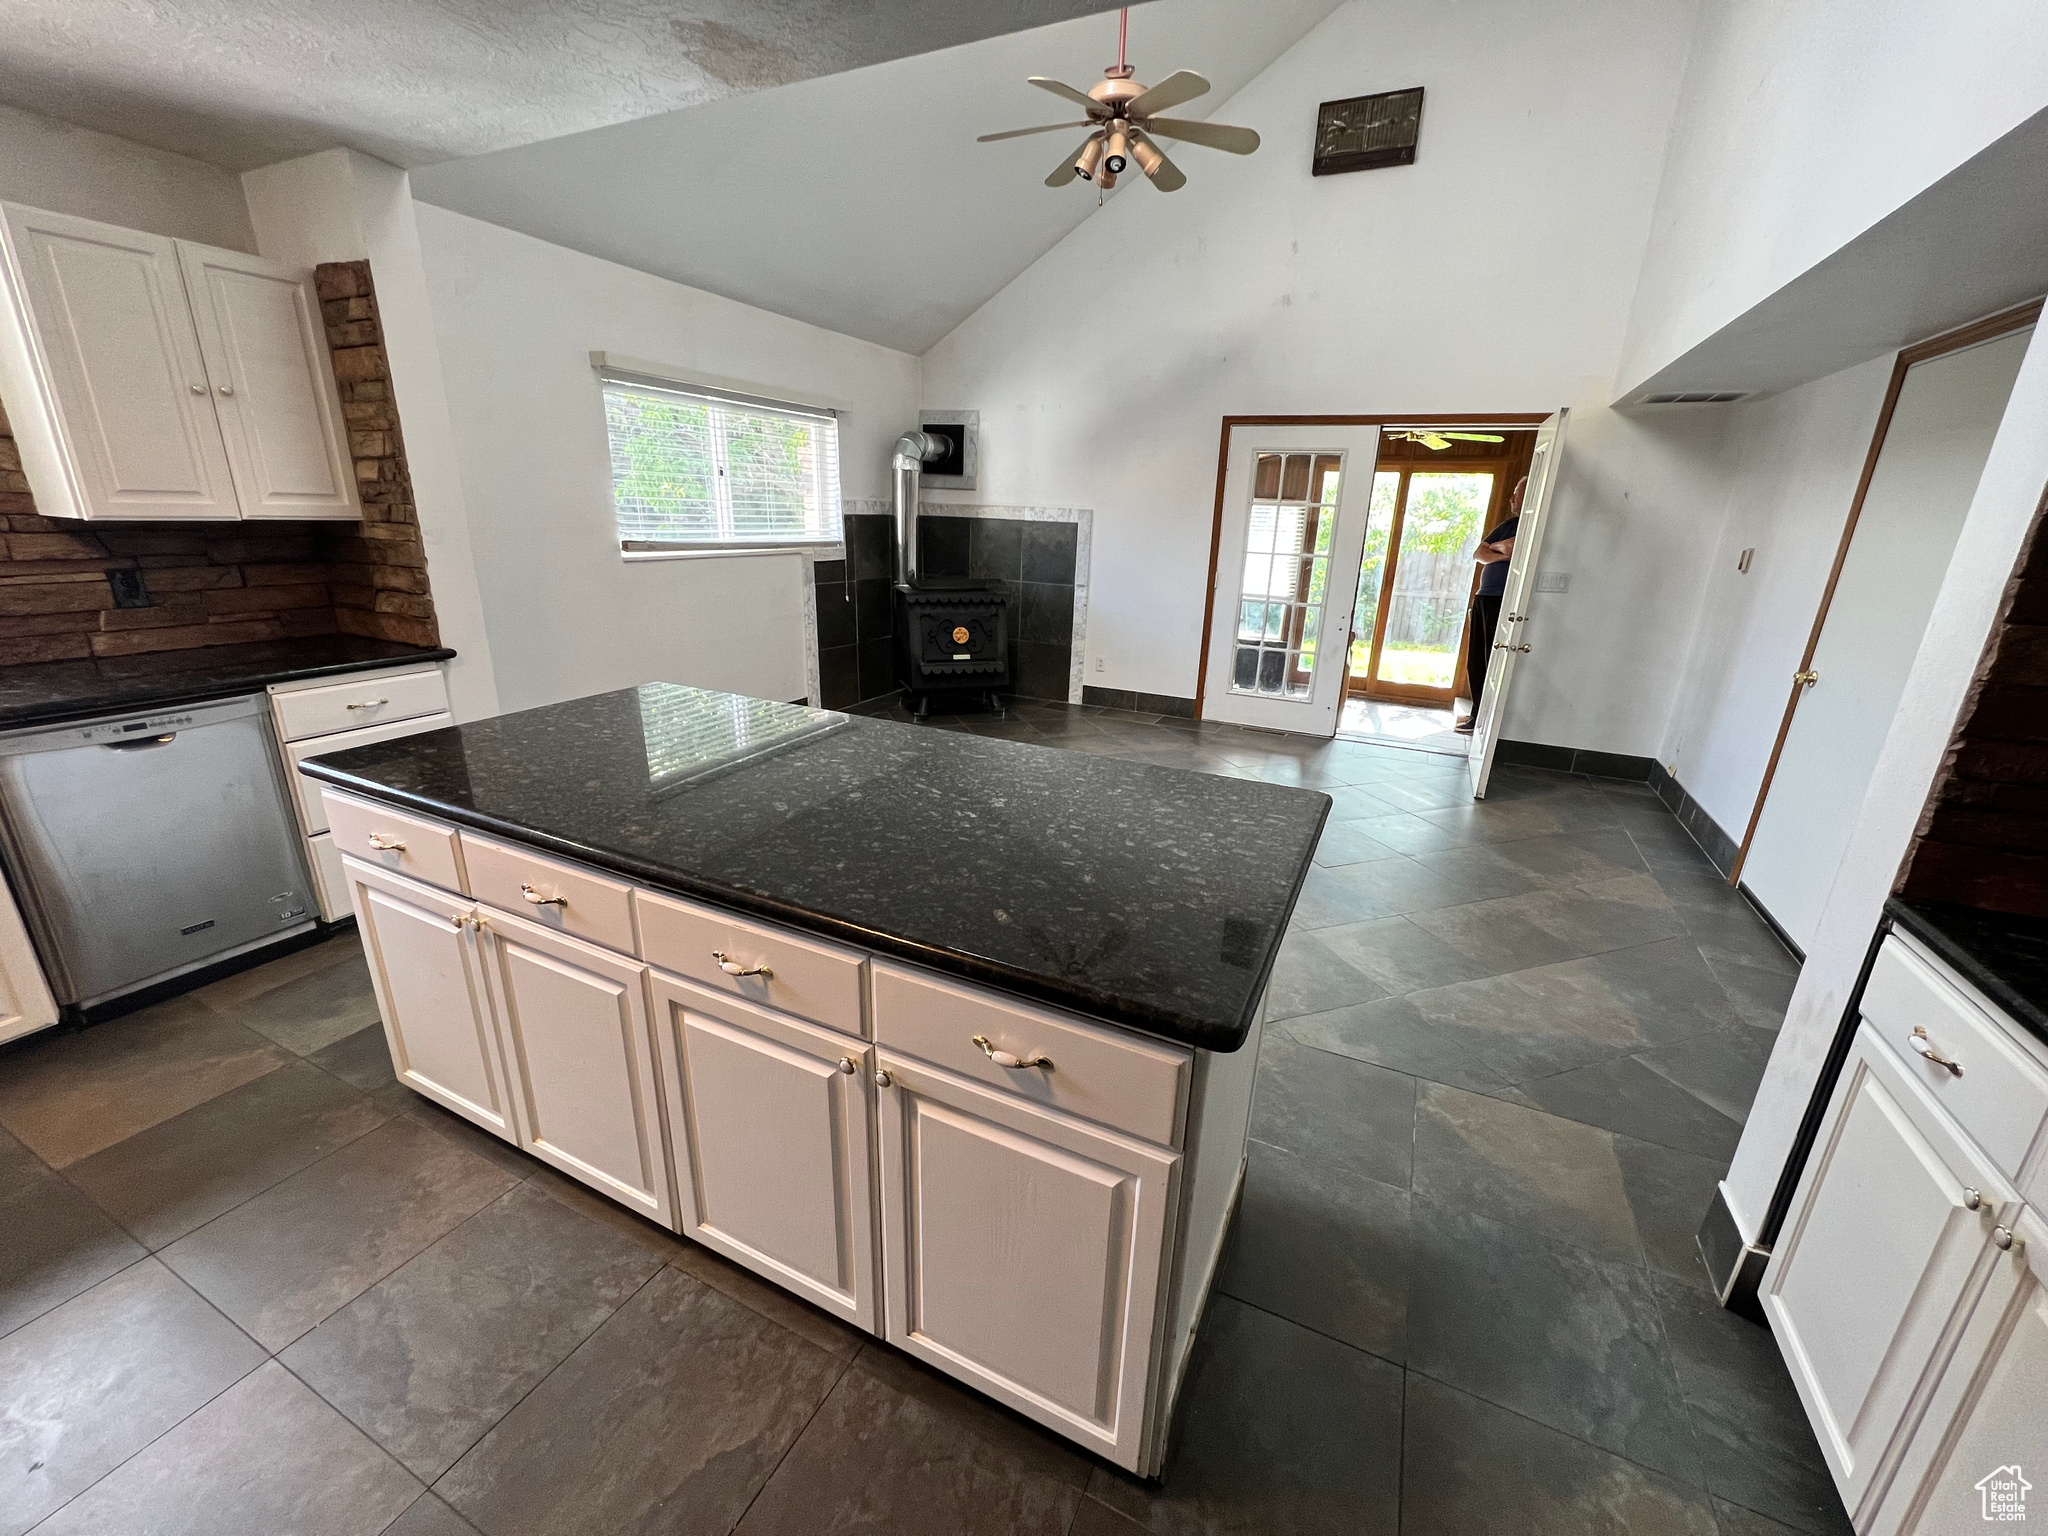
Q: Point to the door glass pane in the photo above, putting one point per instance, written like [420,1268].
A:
[1286,575]
[1379,523]
[1440,529]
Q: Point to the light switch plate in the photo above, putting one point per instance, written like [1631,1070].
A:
[1553,581]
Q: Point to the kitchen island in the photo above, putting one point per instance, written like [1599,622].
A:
[952,1037]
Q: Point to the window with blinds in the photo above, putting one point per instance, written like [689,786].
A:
[696,468]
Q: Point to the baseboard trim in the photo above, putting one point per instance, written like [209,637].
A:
[1735,1264]
[1714,842]
[1140,703]
[1599,765]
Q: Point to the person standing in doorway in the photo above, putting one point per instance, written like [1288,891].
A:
[1493,554]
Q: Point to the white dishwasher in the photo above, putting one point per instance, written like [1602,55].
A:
[146,845]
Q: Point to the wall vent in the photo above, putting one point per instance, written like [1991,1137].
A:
[1698,397]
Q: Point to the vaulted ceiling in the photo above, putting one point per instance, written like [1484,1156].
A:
[861,201]
[242,83]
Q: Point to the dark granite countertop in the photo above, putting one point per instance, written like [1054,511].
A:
[48,692]
[2003,955]
[1150,897]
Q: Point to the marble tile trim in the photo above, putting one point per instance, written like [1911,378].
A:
[1083,519]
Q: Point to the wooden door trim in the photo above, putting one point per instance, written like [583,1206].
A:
[1988,329]
[1410,419]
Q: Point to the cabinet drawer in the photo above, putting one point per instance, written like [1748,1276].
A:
[372,699]
[805,977]
[2001,1098]
[548,892]
[388,839]
[1105,1075]
[309,790]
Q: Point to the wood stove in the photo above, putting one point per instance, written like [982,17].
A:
[953,639]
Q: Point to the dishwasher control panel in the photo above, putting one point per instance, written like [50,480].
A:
[129,730]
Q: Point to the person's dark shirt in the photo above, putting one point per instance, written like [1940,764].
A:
[1493,579]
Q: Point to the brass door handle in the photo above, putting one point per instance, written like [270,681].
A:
[384,844]
[539,900]
[732,967]
[1011,1058]
[1925,1047]
[1805,679]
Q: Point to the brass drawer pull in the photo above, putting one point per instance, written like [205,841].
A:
[384,844]
[539,900]
[369,704]
[1010,1059]
[1925,1047]
[732,967]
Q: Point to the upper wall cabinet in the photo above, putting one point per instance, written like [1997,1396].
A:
[148,378]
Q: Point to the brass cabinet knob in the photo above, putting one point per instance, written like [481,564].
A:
[1805,679]
[882,1077]
[198,389]
[227,389]
[1973,1200]
[2003,1240]
[846,1065]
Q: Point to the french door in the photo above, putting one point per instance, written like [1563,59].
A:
[1416,579]
[1509,643]
[1291,537]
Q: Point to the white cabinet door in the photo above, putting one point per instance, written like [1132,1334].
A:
[25,1001]
[428,972]
[581,1059]
[273,384]
[1022,1252]
[1889,1234]
[772,1129]
[1985,1434]
[110,396]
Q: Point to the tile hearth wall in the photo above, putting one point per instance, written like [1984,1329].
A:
[220,583]
[1034,561]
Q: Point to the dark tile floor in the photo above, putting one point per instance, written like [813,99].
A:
[250,1285]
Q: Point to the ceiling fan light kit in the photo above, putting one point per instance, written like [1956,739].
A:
[1123,114]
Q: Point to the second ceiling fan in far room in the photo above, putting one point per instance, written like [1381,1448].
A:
[1121,113]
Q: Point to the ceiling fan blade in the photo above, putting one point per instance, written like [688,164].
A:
[1474,437]
[1182,85]
[1065,172]
[1434,442]
[1067,91]
[1236,141]
[1018,133]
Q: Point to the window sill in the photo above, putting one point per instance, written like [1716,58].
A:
[730,551]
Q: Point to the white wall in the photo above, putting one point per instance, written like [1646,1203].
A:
[342,206]
[48,164]
[2003,509]
[1791,466]
[1804,122]
[517,319]
[1493,275]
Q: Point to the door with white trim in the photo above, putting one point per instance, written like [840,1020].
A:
[1510,640]
[1292,533]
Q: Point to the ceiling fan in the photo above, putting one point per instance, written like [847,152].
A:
[1438,441]
[1120,113]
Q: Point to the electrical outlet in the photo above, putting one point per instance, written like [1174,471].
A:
[1553,581]
[129,591]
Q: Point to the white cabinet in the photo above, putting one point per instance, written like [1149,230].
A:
[26,1004]
[1022,1251]
[1985,1432]
[273,384]
[153,378]
[427,968]
[1888,1233]
[574,1023]
[771,1123]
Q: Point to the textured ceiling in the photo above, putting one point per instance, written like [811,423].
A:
[860,202]
[243,83]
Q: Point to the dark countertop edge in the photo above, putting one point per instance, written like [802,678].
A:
[1173,1028]
[143,698]
[1923,919]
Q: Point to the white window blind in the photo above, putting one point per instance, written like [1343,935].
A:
[694,467]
